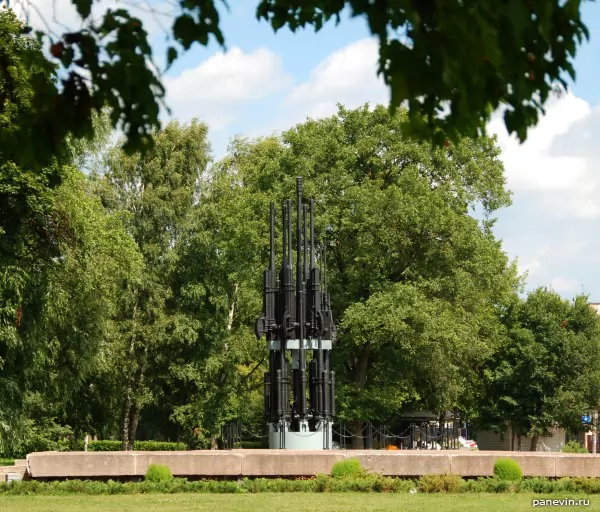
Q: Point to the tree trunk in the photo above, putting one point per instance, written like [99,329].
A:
[125,430]
[213,443]
[518,442]
[356,430]
[534,442]
[136,409]
[232,307]
[512,439]
[360,379]
[126,416]
[133,424]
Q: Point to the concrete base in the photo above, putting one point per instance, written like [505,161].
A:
[294,463]
[15,472]
[280,437]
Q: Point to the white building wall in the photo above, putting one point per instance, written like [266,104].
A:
[490,440]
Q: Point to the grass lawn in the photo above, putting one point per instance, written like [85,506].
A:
[350,502]
[7,462]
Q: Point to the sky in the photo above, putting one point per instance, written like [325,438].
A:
[265,82]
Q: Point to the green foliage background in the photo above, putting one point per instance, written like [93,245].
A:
[130,281]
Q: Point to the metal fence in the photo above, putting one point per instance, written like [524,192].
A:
[416,436]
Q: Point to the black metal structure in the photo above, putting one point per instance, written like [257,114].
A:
[297,321]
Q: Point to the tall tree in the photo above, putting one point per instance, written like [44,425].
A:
[55,308]
[545,374]
[414,278]
[158,189]
[465,58]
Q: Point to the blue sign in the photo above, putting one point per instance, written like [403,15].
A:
[586,420]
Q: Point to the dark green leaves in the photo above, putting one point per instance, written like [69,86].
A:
[469,56]
[546,372]
[115,55]
[199,20]
[84,7]
[171,55]
[453,61]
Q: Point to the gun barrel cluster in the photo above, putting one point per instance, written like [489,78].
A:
[297,319]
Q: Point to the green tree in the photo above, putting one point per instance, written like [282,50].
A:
[545,374]
[217,281]
[414,278]
[61,255]
[158,190]
[468,57]
[54,308]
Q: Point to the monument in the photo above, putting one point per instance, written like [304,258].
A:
[297,323]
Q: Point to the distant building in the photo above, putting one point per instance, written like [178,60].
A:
[490,440]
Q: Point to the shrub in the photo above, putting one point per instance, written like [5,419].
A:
[252,445]
[348,468]
[322,483]
[540,485]
[159,446]
[157,473]
[508,469]
[574,447]
[440,483]
[145,446]
[587,485]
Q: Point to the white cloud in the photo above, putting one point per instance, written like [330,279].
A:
[531,166]
[529,267]
[217,88]
[564,285]
[556,206]
[348,76]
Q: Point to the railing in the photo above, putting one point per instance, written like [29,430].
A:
[417,436]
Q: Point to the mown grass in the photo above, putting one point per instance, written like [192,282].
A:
[7,462]
[277,502]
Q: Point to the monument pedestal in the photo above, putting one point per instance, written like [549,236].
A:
[280,437]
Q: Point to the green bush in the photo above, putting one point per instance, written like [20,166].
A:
[348,468]
[158,473]
[574,447]
[508,469]
[159,446]
[440,483]
[321,483]
[141,446]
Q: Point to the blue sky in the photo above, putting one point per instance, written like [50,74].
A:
[267,82]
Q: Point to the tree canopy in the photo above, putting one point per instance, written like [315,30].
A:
[414,278]
[453,61]
[546,371]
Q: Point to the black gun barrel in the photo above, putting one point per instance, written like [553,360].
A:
[267,392]
[272,237]
[312,234]
[283,234]
[305,242]
[332,393]
[301,393]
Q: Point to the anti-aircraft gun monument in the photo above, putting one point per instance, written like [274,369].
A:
[297,322]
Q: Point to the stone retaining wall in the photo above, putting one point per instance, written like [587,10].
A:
[292,463]
[19,468]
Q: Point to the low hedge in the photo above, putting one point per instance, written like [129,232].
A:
[321,483]
[142,446]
